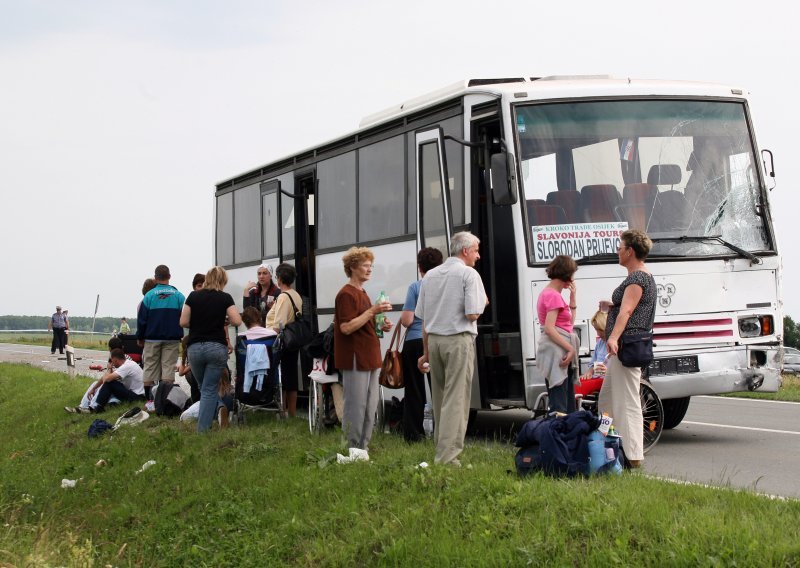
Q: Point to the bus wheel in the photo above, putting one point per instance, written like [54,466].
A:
[674,411]
[652,415]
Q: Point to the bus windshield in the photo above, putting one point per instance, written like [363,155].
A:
[673,168]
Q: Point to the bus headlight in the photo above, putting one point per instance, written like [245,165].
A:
[755,326]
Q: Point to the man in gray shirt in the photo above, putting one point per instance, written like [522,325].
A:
[451,300]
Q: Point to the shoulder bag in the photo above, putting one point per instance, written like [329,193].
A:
[636,349]
[296,334]
[391,375]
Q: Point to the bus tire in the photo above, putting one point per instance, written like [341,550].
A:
[652,415]
[674,411]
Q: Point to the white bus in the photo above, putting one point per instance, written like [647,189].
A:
[537,167]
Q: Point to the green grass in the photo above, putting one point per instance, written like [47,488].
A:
[789,391]
[81,341]
[267,494]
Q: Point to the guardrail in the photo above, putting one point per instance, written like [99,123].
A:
[71,331]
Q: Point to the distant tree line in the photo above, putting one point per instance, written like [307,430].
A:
[77,323]
[791,333]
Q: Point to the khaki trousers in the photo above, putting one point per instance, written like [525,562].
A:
[452,360]
[160,358]
[619,397]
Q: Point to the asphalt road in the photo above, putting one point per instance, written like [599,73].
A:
[741,443]
[730,442]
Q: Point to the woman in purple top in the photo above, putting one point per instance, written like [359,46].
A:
[558,345]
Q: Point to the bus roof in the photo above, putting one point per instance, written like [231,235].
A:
[519,89]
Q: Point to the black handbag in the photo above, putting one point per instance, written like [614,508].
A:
[294,335]
[636,349]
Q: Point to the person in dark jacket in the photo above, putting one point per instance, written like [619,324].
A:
[158,329]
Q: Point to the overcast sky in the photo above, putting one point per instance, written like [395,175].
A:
[117,118]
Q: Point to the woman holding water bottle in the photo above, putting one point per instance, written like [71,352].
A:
[357,350]
[414,400]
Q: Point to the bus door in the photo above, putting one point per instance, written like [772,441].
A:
[305,236]
[500,361]
[298,243]
[434,220]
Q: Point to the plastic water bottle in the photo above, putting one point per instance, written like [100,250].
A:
[380,319]
[427,420]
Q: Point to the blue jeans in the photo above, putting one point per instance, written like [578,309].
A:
[562,397]
[207,360]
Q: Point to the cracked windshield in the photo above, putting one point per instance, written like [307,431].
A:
[683,171]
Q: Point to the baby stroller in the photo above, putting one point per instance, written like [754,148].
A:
[652,410]
[587,393]
[258,378]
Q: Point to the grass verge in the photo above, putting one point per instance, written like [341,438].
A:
[269,494]
[789,391]
[80,341]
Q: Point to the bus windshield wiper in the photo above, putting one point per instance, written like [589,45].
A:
[709,238]
[598,256]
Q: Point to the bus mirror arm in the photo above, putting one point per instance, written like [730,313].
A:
[769,169]
[294,195]
[503,178]
[463,142]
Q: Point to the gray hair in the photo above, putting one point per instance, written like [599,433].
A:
[462,240]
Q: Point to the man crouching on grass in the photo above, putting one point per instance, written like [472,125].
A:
[124,381]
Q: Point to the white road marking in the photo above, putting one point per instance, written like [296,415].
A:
[734,399]
[741,427]
[708,486]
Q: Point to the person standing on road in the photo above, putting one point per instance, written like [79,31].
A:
[158,329]
[451,299]
[58,325]
[630,311]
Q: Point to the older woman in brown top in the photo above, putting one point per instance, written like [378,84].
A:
[357,350]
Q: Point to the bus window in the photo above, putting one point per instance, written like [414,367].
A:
[337,201]
[598,164]
[224,243]
[270,223]
[539,176]
[246,223]
[287,214]
[381,195]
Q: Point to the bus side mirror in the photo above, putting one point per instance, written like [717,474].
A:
[503,179]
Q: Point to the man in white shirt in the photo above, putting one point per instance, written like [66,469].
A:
[124,382]
[451,299]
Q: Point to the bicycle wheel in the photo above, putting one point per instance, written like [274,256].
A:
[316,407]
[652,415]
